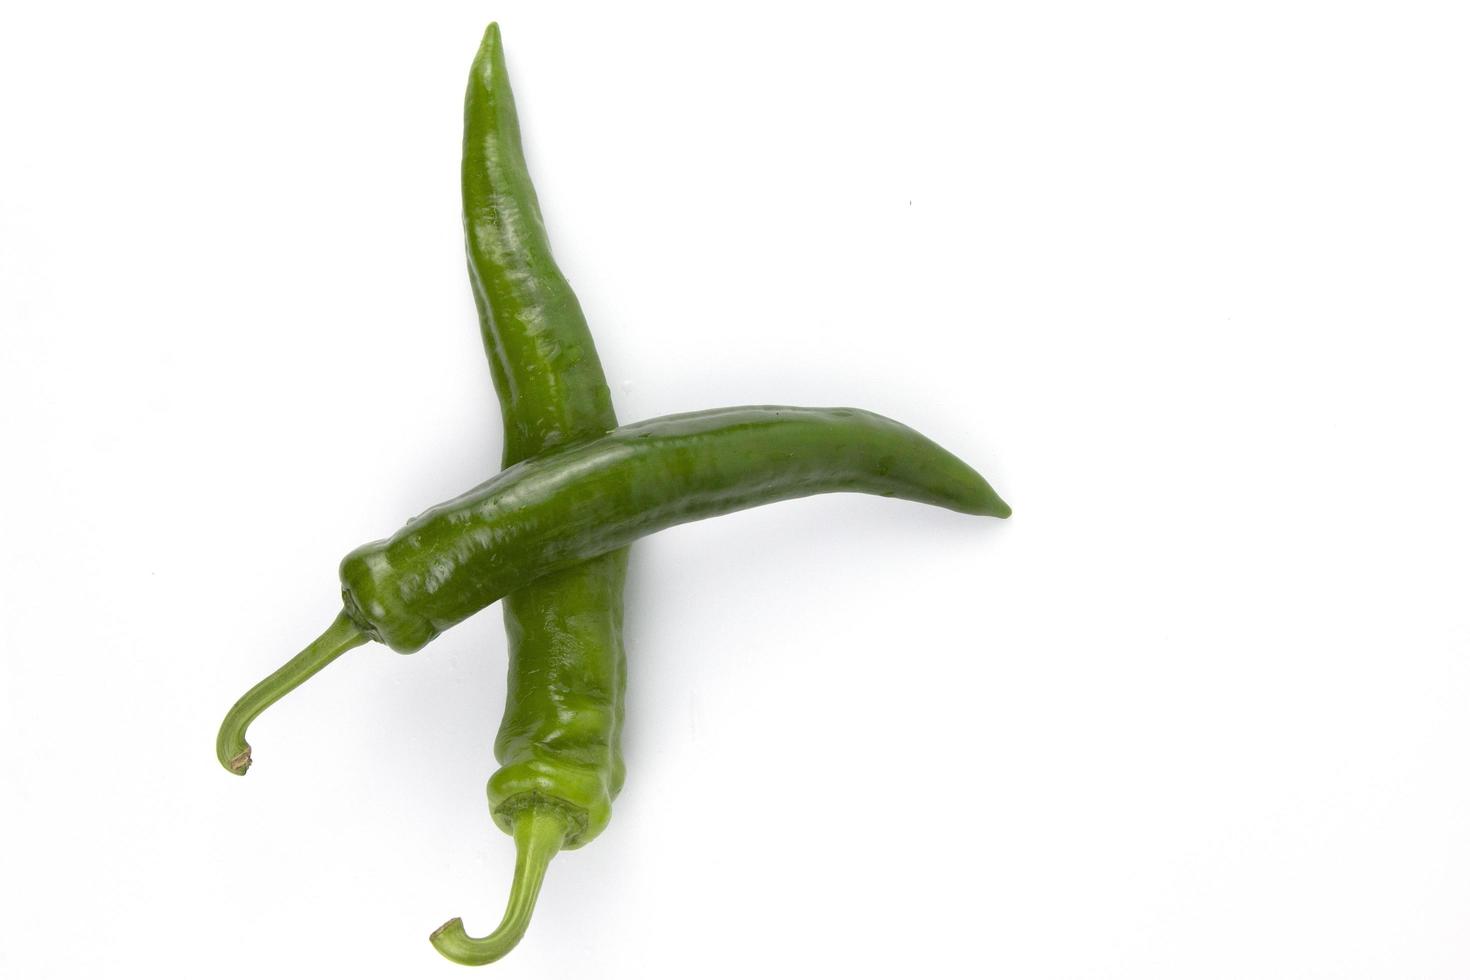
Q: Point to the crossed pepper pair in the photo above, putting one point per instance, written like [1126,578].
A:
[550,533]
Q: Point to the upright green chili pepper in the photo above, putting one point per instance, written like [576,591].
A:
[561,765]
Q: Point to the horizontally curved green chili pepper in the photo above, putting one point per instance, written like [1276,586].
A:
[552,511]
[558,746]
[588,498]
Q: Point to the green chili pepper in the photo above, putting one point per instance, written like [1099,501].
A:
[558,746]
[550,512]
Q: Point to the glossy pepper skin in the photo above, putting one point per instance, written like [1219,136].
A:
[561,765]
[552,511]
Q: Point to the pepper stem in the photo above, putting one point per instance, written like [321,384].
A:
[539,833]
[230,746]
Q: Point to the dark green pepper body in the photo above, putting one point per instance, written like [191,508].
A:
[558,740]
[550,512]
[558,745]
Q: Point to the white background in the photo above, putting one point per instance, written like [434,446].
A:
[1187,282]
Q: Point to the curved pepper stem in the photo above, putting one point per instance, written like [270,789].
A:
[230,746]
[540,832]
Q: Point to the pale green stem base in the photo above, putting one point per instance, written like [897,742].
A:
[230,746]
[539,834]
